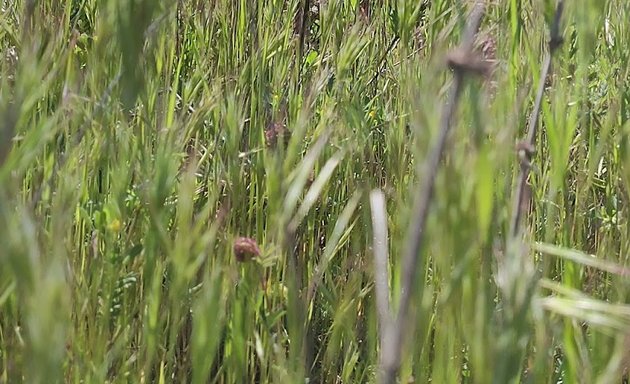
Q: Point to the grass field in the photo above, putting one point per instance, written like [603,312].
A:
[218,191]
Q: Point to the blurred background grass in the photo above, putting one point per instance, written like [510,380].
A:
[139,139]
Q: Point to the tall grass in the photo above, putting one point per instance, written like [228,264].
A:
[140,139]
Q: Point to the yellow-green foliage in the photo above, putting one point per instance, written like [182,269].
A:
[139,139]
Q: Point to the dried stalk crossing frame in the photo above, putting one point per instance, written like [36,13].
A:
[461,62]
[526,148]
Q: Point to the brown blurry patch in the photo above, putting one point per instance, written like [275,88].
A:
[276,132]
[300,22]
[365,11]
[461,60]
[245,249]
[420,37]
[488,48]
[310,180]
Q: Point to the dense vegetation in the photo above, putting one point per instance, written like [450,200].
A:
[187,191]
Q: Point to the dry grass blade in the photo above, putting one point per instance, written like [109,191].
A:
[392,343]
[381,259]
[526,148]
[581,258]
[575,304]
